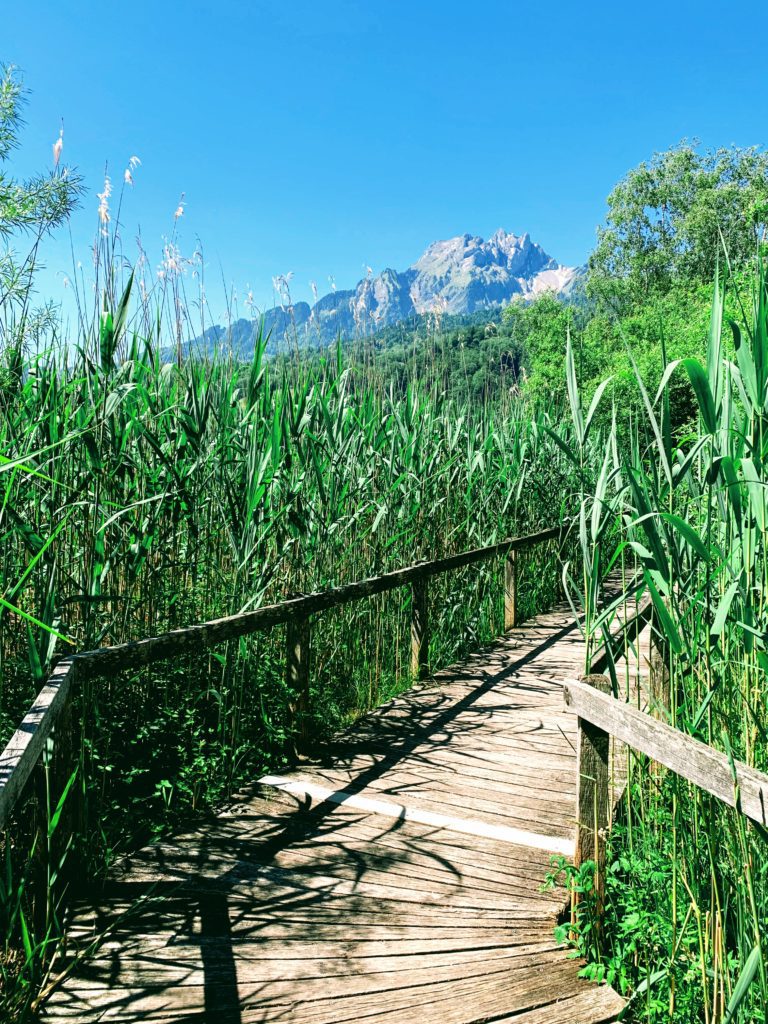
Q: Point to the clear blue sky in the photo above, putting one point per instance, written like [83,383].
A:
[322,137]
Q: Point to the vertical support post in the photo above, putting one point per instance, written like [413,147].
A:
[659,680]
[297,652]
[419,628]
[510,591]
[52,860]
[63,764]
[593,793]
[659,683]
[556,551]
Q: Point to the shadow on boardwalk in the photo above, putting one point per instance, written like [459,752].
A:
[397,879]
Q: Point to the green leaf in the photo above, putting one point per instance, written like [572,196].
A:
[700,385]
[56,816]
[36,622]
[26,937]
[688,533]
[756,491]
[666,620]
[718,624]
[594,404]
[641,989]
[573,391]
[746,366]
[122,309]
[741,988]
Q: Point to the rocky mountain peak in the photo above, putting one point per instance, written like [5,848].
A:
[455,275]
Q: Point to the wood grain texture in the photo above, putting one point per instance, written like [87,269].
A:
[297,662]
[24,748]
[593,805]
[688,757]
[510,591]
[402,897]
[419,628]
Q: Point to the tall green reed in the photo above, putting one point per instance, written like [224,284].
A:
[681,510]
[142,492]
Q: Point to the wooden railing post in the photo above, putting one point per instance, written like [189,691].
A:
[592,793]
[419,628]
[63,765]
[556,547]
[658,670]
[22,752]
[297,652]
[510,590]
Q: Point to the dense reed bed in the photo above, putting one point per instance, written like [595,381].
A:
[686,508]
[142,493]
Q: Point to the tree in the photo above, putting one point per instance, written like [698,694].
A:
[669,218]
[32,207]
[539,330]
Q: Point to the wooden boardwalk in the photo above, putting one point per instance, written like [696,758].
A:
[397,881]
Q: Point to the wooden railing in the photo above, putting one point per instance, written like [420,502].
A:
[601,715]
[52,704]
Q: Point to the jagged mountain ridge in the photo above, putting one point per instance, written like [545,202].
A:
[457,276]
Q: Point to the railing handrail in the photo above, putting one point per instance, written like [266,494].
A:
[732,781]
[27,743]
[206,634]
[602,715]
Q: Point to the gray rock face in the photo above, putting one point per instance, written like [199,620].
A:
[467,273]
[458,275]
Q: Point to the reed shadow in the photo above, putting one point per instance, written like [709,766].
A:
[226,885]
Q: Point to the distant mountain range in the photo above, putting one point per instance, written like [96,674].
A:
[458,276]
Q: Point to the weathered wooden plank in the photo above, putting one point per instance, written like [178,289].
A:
[403,840]
[297,655]
[277,933]
[597,1004]
[471,826]
[308,979]
[510,591]
[447,765]
[482,995]
[260,884]
[429,852]
[350,860]
[402,879]
[505,798]
[181,965]
[389,945]
[688,757]
[26,745]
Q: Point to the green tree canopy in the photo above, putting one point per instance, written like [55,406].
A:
[667,217]
[33,207]
[42,202]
